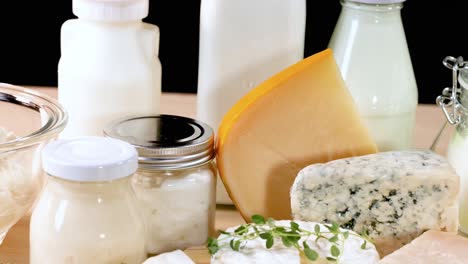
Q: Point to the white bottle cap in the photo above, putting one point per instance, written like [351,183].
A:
[111,10]
[379,2]
[89,159]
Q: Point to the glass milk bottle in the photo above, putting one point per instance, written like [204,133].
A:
[370,47]
[454,103]
[109,64]
[87,211]
[242,43]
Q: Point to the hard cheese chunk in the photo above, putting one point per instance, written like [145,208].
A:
[395,195]
[300,116]
[255,251]
[434,247]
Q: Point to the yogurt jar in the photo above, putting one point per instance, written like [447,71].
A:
[175,184]
[87,212]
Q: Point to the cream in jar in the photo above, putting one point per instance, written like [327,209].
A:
[176,180]
[86,213]
[454,102]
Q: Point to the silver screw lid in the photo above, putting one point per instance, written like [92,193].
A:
[165,141]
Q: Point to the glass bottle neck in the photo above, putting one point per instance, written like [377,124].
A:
[359,15]
[365,7]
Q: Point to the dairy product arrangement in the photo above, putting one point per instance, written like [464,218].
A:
[354,203]
[302,156]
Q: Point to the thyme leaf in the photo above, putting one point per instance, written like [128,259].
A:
[289,236]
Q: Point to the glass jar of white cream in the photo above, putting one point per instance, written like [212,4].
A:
[176,180]
[454,103]
[87,212]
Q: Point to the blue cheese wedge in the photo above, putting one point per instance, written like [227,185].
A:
[394,196]
[255,252]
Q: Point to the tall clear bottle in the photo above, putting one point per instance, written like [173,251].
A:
[370,47]
[242,43]
[109,65]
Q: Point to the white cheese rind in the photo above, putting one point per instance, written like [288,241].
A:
[395,195]
[255,252]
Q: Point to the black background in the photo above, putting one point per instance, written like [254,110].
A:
[30,39]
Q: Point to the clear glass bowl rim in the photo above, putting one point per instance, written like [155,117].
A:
[56,114]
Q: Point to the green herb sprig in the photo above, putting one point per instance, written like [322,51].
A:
[290,236]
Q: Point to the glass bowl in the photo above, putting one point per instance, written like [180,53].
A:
[28,121]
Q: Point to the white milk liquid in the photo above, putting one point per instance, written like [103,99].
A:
[391,132]
[243,43]
[107,71]
[371,51]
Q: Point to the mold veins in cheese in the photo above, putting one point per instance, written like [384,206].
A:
[395,195]
[300,116]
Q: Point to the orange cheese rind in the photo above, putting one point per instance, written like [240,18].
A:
[232,115]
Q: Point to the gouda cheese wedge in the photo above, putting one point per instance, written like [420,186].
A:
[300,116]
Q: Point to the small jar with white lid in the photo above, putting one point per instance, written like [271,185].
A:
[87,212]
[176,180]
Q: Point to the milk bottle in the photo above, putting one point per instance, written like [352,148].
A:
[109,65]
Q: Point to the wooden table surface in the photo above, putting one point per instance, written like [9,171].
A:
[15,249]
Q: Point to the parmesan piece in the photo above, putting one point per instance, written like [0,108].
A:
[395,195]
[434,247]
[302,115]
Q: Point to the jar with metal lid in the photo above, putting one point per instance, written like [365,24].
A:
[176,180]
[454,103]
[87,213]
